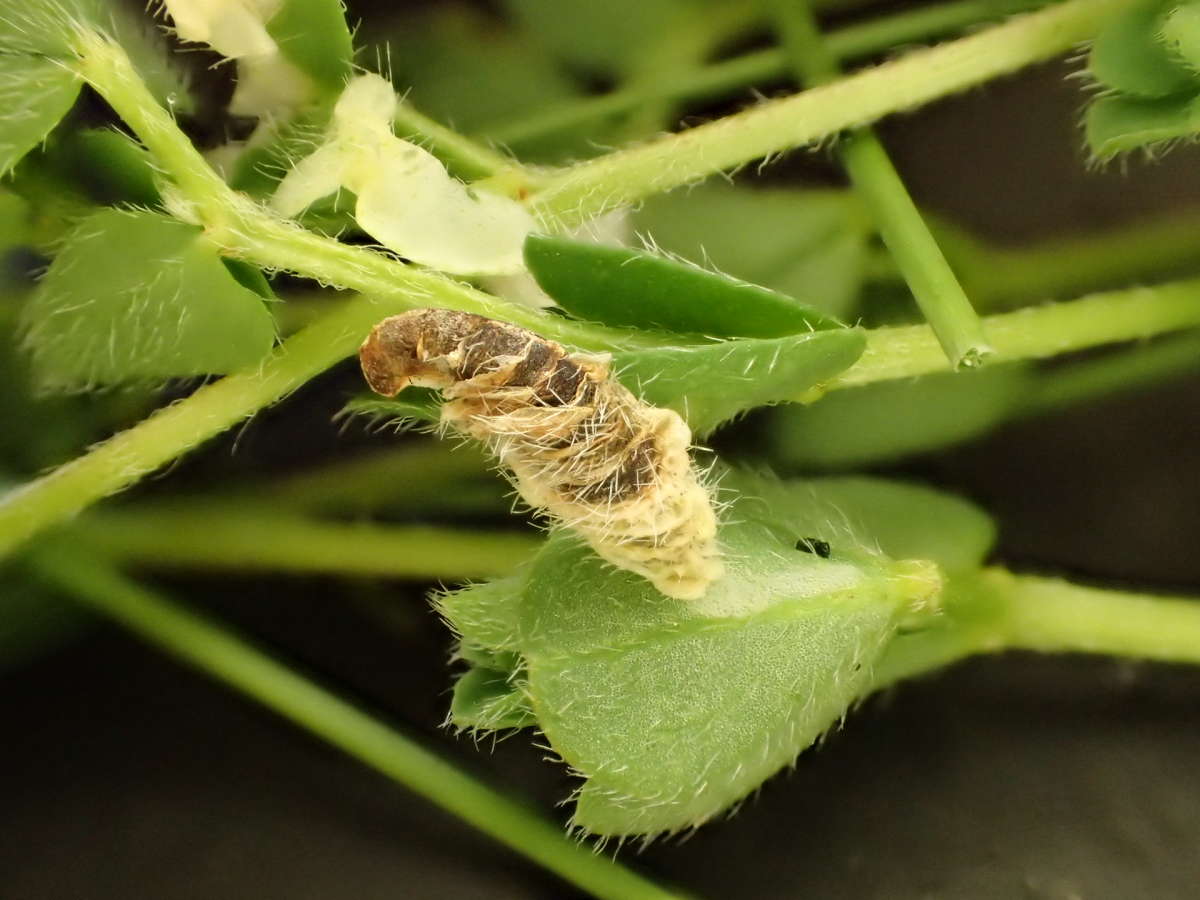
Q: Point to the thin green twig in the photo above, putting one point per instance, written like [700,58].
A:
[758,67]
[227,658]
[876,181]
[625,176]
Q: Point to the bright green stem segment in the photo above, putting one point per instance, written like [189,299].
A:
[999,611]
[230,536]
[224,656]
[876,181]
[123,459]
[623,177]
[1035,332]
[920,260]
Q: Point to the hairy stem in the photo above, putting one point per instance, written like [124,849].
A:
[172,431]
[758,67]
[627,175]
[997,610]
[233,536]
[1034,332]
[222,655]
[876,181]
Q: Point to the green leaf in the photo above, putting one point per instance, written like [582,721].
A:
[1129,56]
[1181,33]
[35,93]
[489,700]
[1116,125]
[891,420]
[637,289]
[674,710]
[710,383]
[807,244]
[608,37]
[313,36]
[140,296]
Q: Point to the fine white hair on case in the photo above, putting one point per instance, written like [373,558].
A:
[580,446]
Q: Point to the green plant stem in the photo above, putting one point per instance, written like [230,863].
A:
[1035,332]
[219,535]
[225,657]
[876,181]
[758,67]
[998,610]
[625,176]
[168,433]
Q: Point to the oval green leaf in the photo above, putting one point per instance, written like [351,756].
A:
[137,296]
[1116,125]
[673,711]
[636,289]
[711,383]
[35,93]
[313,36]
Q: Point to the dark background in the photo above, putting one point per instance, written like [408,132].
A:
[125,775]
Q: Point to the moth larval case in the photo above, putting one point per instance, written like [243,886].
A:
[580,446]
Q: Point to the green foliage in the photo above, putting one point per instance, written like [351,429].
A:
[634,288]
[807,244]
[1146,59]
[673,711]
[136,296]
[35,93]
[711,383]
[313,36]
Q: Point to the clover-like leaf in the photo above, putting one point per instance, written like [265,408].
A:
[141,296]
[711,383]
[634,288]
[673,711]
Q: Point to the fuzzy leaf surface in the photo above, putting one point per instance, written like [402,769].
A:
[140,296]
[711,383]
[1130,55]
[633,288]
[1116,125]
[674,710]
[35,93]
